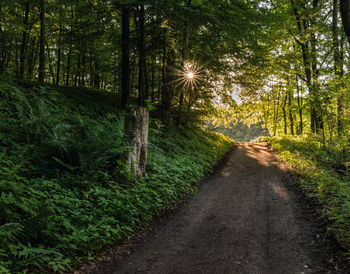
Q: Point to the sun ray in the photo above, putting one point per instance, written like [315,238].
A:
[189,75]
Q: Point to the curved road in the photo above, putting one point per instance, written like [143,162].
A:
[245,219]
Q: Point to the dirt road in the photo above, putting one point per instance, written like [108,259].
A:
[245,219]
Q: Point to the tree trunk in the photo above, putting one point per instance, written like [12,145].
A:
[285,114]
[17,53]
[97,78]
[300,108]
[2,42]
[32,57]
[275,112]
[24,41]
[59,51]
[345,15]
[69,59]
[340,104]
[83,69]
[125,77]
[142,57]
[291,119]
[50,63]
[42,42]
[338,67]
[164,84]
[152,75]
[135,139]
[77,71]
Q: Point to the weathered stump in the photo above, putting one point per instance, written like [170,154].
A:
[136,138]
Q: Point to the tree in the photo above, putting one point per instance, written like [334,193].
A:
[345,15]
[41,77]
[125,71]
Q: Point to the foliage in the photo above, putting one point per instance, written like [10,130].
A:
[65,192]
[325,175]
[83,47]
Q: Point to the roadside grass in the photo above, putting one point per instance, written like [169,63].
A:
[324,175]
[65,191]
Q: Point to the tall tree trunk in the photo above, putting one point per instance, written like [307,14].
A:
[142,57]
[97,78]
[338,66]
[315,98]
[50,63]
[164,65]
[125,77]
[152,74]
[59,53]
[83,68]
[91,68]
[300,107]
[275,112]
[291,119]
[146,81]
[77,71]
[17,53]
[340,105]
[42,42]
[266,115]
[24,41]
[2,42]
[69,60]
[285,114]
[345,15]
[32,57]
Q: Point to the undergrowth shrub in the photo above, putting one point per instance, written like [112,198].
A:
[324,175]
[65,192]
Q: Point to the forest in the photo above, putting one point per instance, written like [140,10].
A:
[273,70]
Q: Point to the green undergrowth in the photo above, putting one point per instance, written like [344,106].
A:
[65,191]
[324,175]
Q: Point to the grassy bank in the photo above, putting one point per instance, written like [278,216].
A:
[324,175]
[65,192]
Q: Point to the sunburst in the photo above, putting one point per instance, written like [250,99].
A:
[189,75]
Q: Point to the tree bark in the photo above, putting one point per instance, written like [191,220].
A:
[142,57]
[32,57]
[77,71]
[291,119]
[338,67]
[50,63]
[59,51]
[300,108]
[275,111]
[24,41]
[135,139]
[340,98]
[2,42]
[345,15]
[97,78]
[125,77]
[164,84]
[69,58]
[41,77]
[285,114]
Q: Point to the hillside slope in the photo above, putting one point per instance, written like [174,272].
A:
[65,192]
